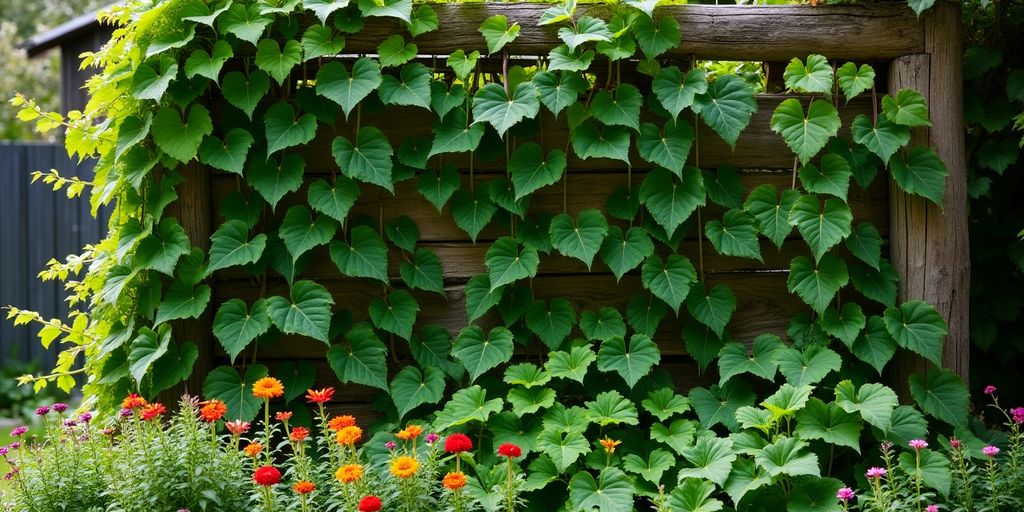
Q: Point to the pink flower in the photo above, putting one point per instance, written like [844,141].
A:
[990,451]
[875,472]
[955,443]
[990,390]
[845,494]
[931,508]
[431,438]
[390,445]
[1018,415]
[918,444]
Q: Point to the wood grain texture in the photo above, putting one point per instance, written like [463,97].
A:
[874,30]
[930,245]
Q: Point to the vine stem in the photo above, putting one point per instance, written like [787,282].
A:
[700,209]
[504,70]
[796,161]
[874,104]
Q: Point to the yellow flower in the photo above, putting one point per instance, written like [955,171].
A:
[410,432]
[349,473]
[609,444]
[404,467]
[349,435]
[267,387]
[339,422]
[253,449]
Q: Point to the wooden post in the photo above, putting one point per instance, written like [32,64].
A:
[930,245]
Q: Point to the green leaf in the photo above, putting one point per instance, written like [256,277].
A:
[307,313]
[833,178]
[784,457]
[479,353]
[671,201]
[844,324]
[493,105]
[410,388]
[403,232]
[712,459]
[300,232]
[734,360]
[182,300]
[175,366]
[401,9]
[397,314]
[368,160]
[570,365]
[676,91]
[883,140]
[807,366]
[580,238]
[745,477]
[645,312]
[480,297]
[921,172]
[611,408]
[438,187]
[245,22]
[559,90]
[296,378]
[655,38]
[362,361]
[678,435]
[658,462]
[324,8]
[735,235]
[335,83]
[875,345]
[908,423]
[874,402]
[561,58]
[530,170]
[336,201]
[225,384]
[206,64]
[920,6]
[866,244]
[466,405]
[806,135]
[284,130]
[394,51]
[603,325]
[149,83]
[236,327]
[586,29]
[694,495]
[146,349]
[669,280]
[564,448]
[273,179]
[712,309]
[701,343]
[592,140]
[497,33]
[453,134]
[631,361]
[231,246]
[462,63]
[523,432]
[941,394]
[931,466]
[623,252]
[444,100]
[245,93]
[878,285]
[179,139]
[908,108]
[199,12]
[160,251]
[830,423]
[821,228]
[772,211]
[552,324]
[854,80]
[277,61]
[228,154]
[727,106]
[621,108]
[527,375]
[410,88]
[787,400]
[917,326]
[814,77]
[670,148]
[611,490]
[811,494]
[558,13]
[423,271]
[472,211]
[664,403]
[366,256]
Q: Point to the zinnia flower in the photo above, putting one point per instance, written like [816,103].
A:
[126,413]
[133,401]
[457,443]
[431,438]
[349,473]
[370,504]
[253,449]
[510,450]
[931,508]
[1018,415]
[213,410]
[319,396]
[845,494]
[455,480]
[875,472]
[990,451]
[59,407]
[267,388]
[299,434]
[283,416]
[85,417]
[304,487]
[339,422]
[918,444]
[152,411]
[404,467]
[349,435]
[609,444]
[19,431]
[237,427]
[42,410]
[410,432]
[990,390]
[266,476]
[390,445]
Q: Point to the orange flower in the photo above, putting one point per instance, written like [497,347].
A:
[349,435]
[455,480]
[152,411]
[609,444]
[404,467]
[304,487]
[133,401]
[339,422]
[319,396]
[267,387]
[253,449]
[410,432]
[299,434]
[283,416]
[213,410]
[349,473]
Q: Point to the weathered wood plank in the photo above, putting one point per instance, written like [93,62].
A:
[874,30]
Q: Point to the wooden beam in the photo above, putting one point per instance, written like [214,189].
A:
[871,31]
[930,244]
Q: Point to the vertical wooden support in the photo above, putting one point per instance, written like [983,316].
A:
[929,245]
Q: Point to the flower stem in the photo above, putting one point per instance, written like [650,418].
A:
[510,500]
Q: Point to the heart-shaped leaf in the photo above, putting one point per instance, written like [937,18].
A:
[394,51]
[676,91]
[506,263]
[551,324]
[623,252]
[149,83]
[395,315]
[854,80]
[603,325]
[874,402]
[336,201]
[225,384]
[806,135]
[182,300]
[285,130]
[472,211]
[726,107]
[335,83]
[559,90]
[497,33]
[921,172]
[454,134]
[369,159]
[160,251]
[480,297]
[884,139]
[917,326]
[228,154]
[712,309]
[401,9]
[908,108]
[366,256]
[875,345]
[591,140]
[580,238]
[276,60]
[733,359]
[814,77]
[833,178]
[735,235]
[711,457]
[273,179]
[300,231]
[423,19]
[821,228]
[180,139]
[632,361]
[866,244]
[438,186]
[656,37]
[146,349]
[245,22]
[245,93]
[941,394]
[462,63]
[670,148]
[670,200]
[235,326]
[493,105]
[808,366]
[444,100]
[323,8]
[466,405]
[669,280]
[787,457]
[561,58]
[621,108]
[845,323]
[410,88]
[586,29]
[363,360]
[817,285]
[423,271]
[206,64]
[479,353]
[718,404]
[772,211]
[410,388]
[531,170]
[307,313]
[877,285]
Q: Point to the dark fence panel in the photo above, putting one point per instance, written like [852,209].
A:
[37,224]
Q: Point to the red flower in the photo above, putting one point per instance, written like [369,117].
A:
[370,504]
[319,396]
[213,410]
[266,476]
[299,434]
[509,450]
[152,411]
[456,443]
[283,416]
